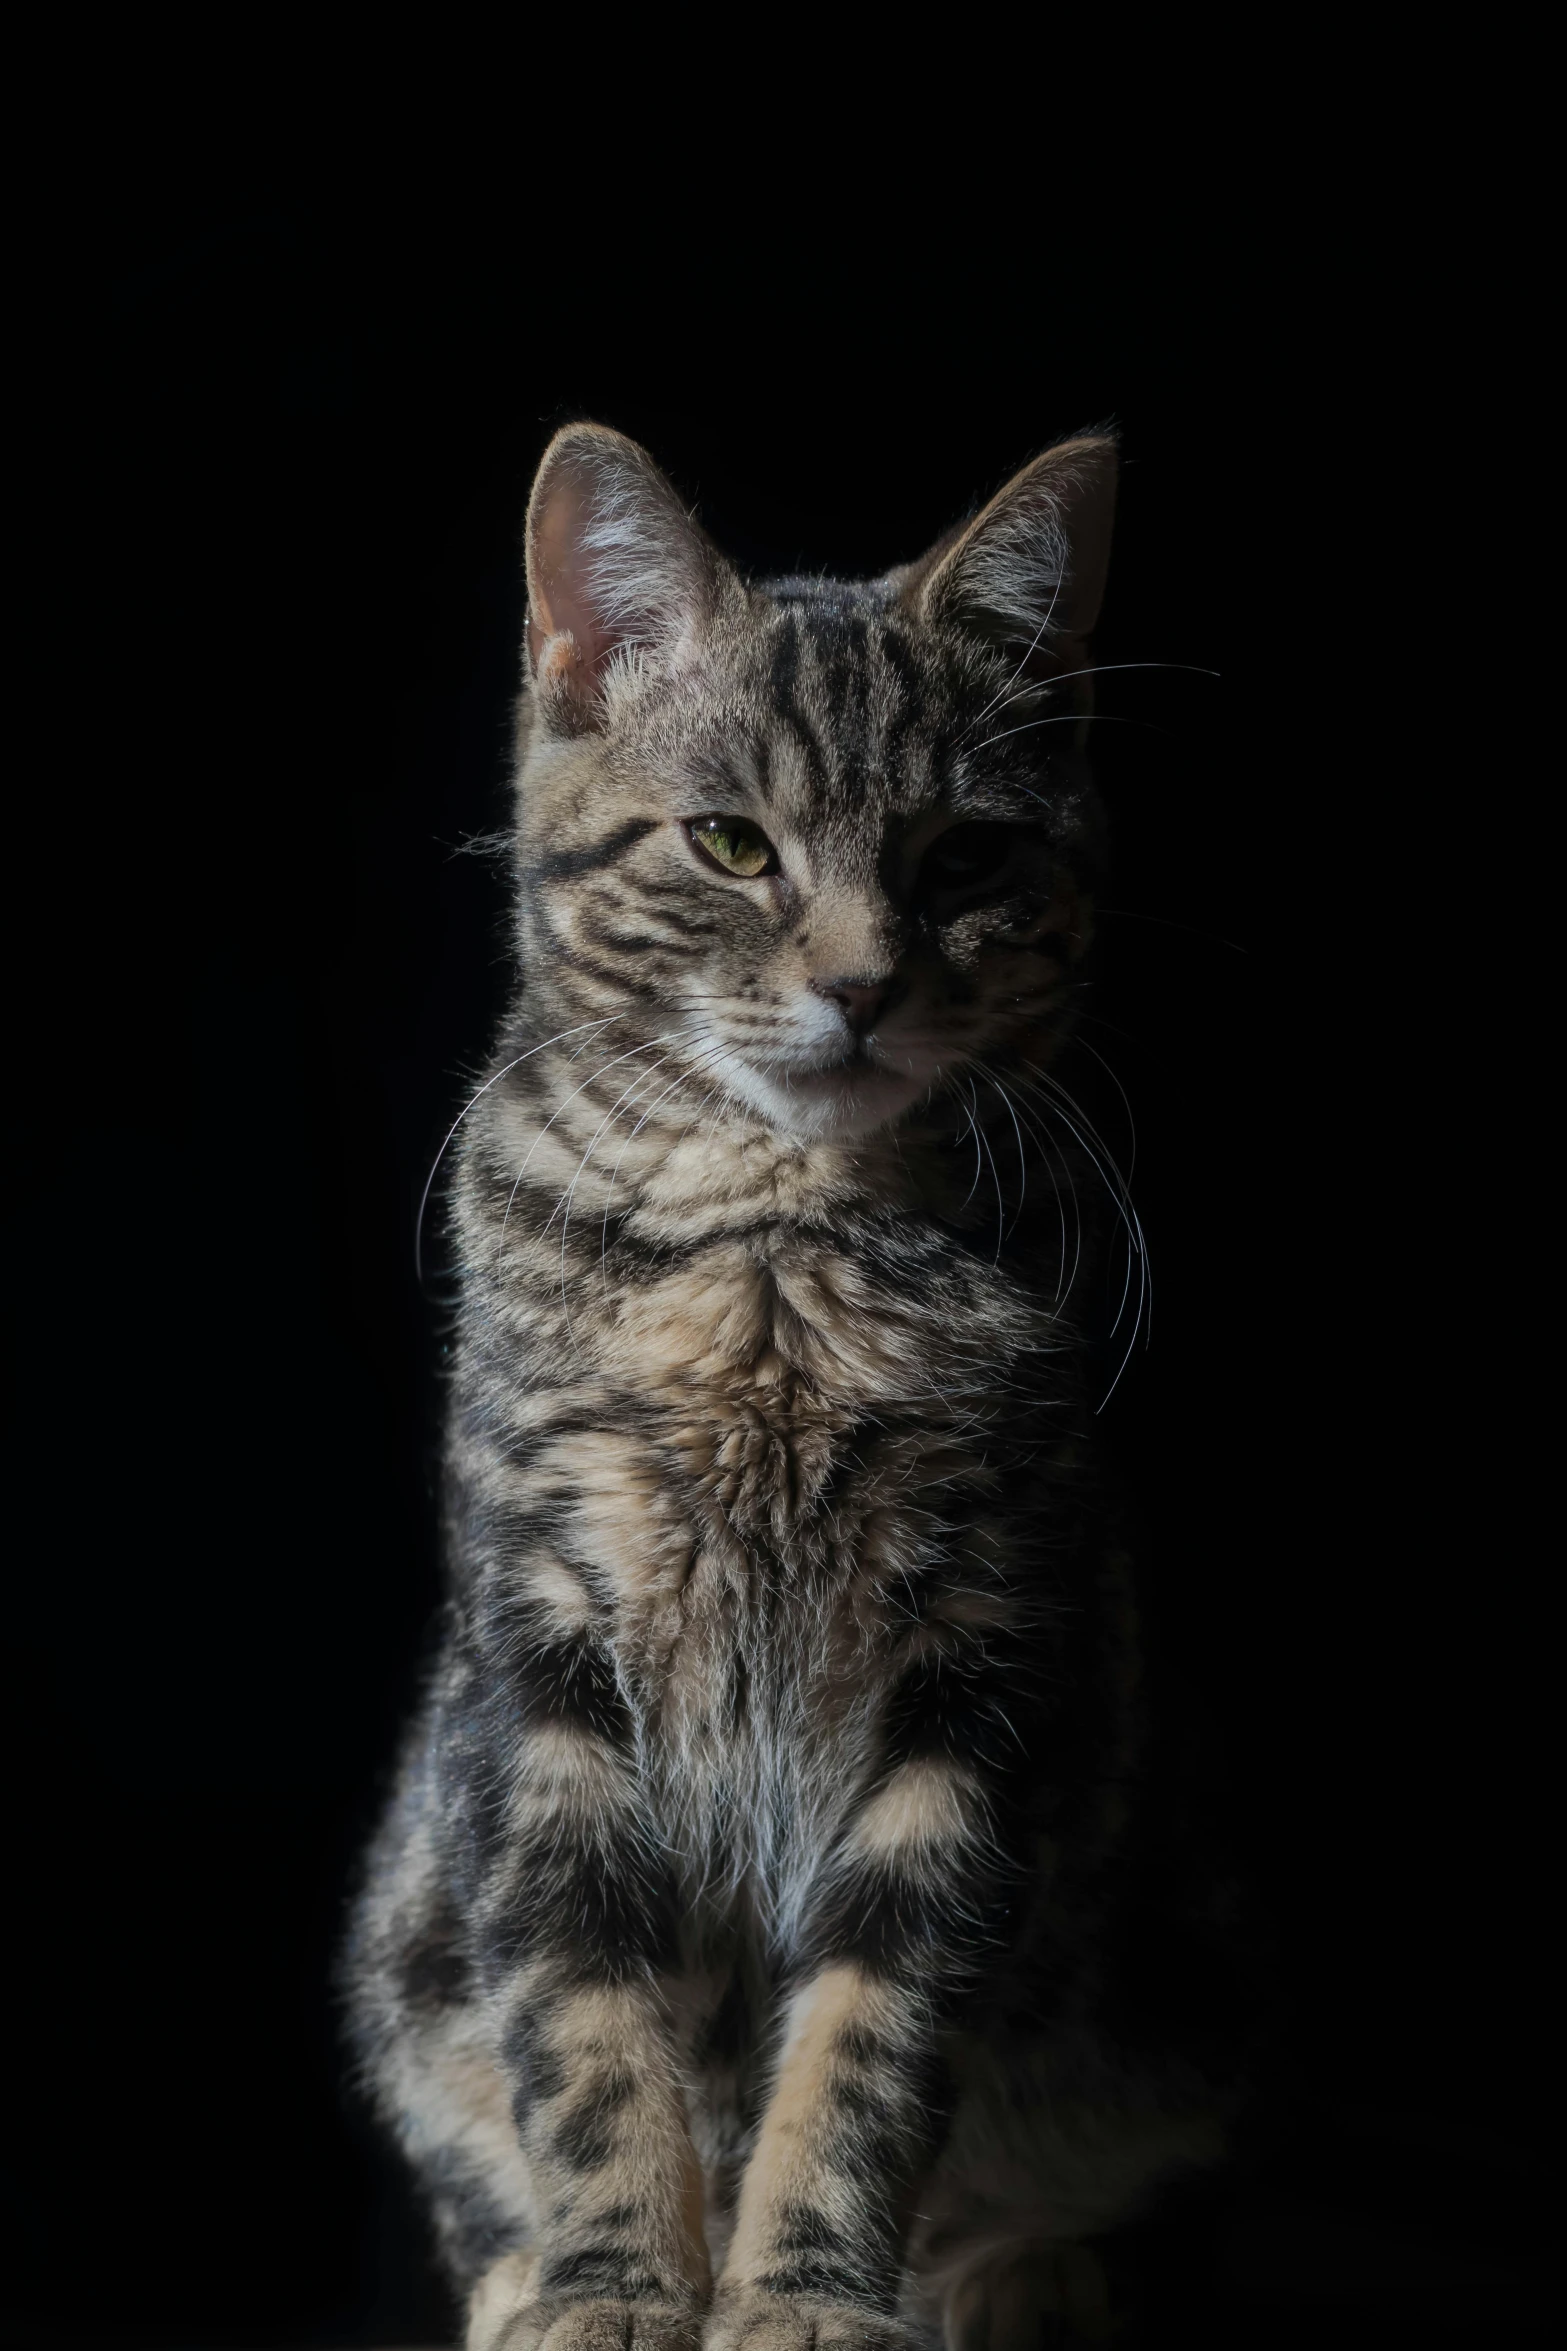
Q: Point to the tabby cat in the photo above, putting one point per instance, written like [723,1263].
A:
[731,1963]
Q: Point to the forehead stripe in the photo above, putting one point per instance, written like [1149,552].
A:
[782,681]
[561,864]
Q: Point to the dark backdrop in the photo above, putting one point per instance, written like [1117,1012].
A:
[305,423]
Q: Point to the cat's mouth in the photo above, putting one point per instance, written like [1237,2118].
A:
[861,1089]
[861,1053]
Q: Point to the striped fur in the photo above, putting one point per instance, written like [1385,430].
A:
[729,1963]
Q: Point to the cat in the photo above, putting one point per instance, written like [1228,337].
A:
[731,1965]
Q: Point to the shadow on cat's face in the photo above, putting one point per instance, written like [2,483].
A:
[828,846]
[809,863]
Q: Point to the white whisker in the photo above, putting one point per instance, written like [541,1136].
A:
[495,1080]
[555,1114]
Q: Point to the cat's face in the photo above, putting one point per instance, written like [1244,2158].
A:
[825,847]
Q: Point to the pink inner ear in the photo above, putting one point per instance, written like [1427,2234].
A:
[554,657]
[614,562]
[559,605]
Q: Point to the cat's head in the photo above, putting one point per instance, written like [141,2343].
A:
[830,843]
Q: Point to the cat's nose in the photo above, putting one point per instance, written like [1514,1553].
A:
[862,1002]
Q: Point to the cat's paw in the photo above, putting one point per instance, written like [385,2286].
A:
[607,2326]
[506,2315]
[749,2319]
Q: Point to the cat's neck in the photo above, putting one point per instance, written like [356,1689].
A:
[647,1128]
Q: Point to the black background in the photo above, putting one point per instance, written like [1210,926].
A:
[305,418]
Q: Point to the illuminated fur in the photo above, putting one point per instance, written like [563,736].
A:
[731,1960]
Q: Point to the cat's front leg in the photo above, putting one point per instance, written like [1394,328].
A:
[817,2252]
[577,1937]
[621,2264]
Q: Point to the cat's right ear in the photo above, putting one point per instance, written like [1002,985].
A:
[1029,571]
[618,574]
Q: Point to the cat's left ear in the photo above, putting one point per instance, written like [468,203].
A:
[1029,571]
[616,570]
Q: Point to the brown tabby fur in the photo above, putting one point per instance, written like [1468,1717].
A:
[731,1966]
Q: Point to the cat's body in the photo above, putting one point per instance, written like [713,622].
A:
[732,1959]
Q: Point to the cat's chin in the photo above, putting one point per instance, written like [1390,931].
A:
[855,1098]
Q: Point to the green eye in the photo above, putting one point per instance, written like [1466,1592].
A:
[740,848]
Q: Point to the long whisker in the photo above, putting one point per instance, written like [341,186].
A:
[1131,1123]
[1101,669]
[566,1198]
[1082,1126]
[1093,670]
[555,1114]
[1048,1153]
[1094,1148]
[1022,1156]
[704,1059]
[1065,1297]
[1131,1168]
[1111,1176]
[1073,718]
[424,1196]
[625,1095]
[972,1129]
[1005,691]
[1126,1291]
[995,1173]
[614,1177]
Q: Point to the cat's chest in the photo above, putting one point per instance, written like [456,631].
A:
[786,1414]
[778,1460]
[770,1420]
[787,1329]
[758,1361]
